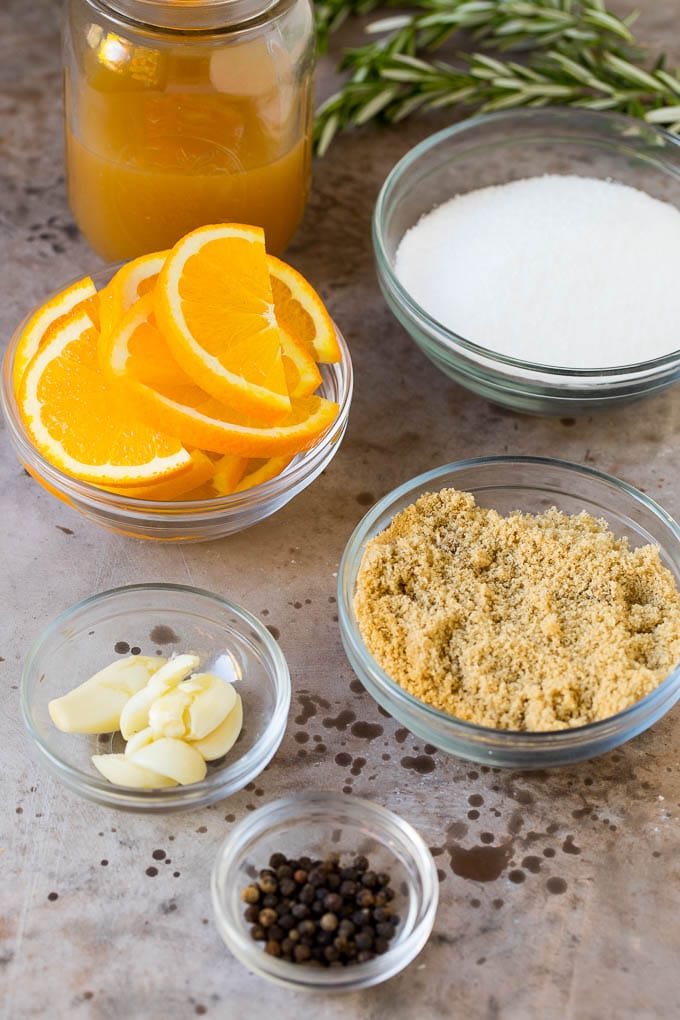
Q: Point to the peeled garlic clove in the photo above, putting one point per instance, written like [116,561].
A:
[223,738]
[139,740]
[166,715]
[120,770]
[173,672]
[173,758]
[96,705]
[135,715]
[212,699]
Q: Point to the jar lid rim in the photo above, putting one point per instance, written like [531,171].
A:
[189,15]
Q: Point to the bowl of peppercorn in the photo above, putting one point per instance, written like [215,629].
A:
[324,891]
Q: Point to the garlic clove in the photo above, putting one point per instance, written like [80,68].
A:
[95,706]
[135,715]
[224,736]
[120,770]
[167,713]
[174,758]
[139,740]
[212,699]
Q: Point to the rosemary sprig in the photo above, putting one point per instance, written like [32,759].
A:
[576,53]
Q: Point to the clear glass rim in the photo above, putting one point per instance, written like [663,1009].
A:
[184,511]
[216,784]
[198,17]
[388,828]
[447,340]
[484,734]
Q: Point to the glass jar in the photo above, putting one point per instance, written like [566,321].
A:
[180,113]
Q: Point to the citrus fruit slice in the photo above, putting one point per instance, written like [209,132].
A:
[131,282]
[81,423]
[229,471]
[214,305]
[301,312]
[262,471]
[179,407]
[302,375]
[199,472]
[79,295]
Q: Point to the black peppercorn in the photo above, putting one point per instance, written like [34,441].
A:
[320,914]
[301,954]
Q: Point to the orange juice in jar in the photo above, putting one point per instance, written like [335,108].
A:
[180,113]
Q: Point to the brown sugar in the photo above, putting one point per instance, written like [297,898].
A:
[526,622]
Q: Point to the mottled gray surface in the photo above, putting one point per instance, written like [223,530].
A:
[85,929]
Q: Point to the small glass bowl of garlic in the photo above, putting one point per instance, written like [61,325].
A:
[156,697]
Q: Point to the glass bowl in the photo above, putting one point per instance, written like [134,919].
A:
[156,619]
[531,485]
[183,520]
[495,149]
[316,824]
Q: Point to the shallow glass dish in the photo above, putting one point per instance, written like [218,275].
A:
[182,520]
[156,619]
[531,485]
[316,824]
[495,149]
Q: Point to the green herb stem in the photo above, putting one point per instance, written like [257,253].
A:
[572,53]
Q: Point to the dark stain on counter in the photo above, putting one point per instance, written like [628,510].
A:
[309,704]
[163,635]
[479,863]
[400,735]
[365,498]
[67,531]
[556,886]
[515,823]
[274,631]
[421,763]
[341,721]
[366,730]
[569,847]
[121,648]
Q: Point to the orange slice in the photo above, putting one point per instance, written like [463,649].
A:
[301,312]
[36,331]
[131,282]
[214,305]
[262,471]
[302,375]
[84,425]
[177,406]
[229,471]
[199,472]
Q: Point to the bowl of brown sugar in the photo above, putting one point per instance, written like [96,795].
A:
[518,611]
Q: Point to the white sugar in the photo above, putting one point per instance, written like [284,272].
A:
[558,270]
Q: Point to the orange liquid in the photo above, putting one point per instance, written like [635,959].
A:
[148,163]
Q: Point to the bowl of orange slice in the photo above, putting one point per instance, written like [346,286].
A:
[184,395]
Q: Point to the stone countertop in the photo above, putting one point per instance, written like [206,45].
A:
[559,890]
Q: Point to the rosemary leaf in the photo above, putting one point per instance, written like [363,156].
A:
[573,52]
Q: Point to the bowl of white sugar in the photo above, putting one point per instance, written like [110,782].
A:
[534,255]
